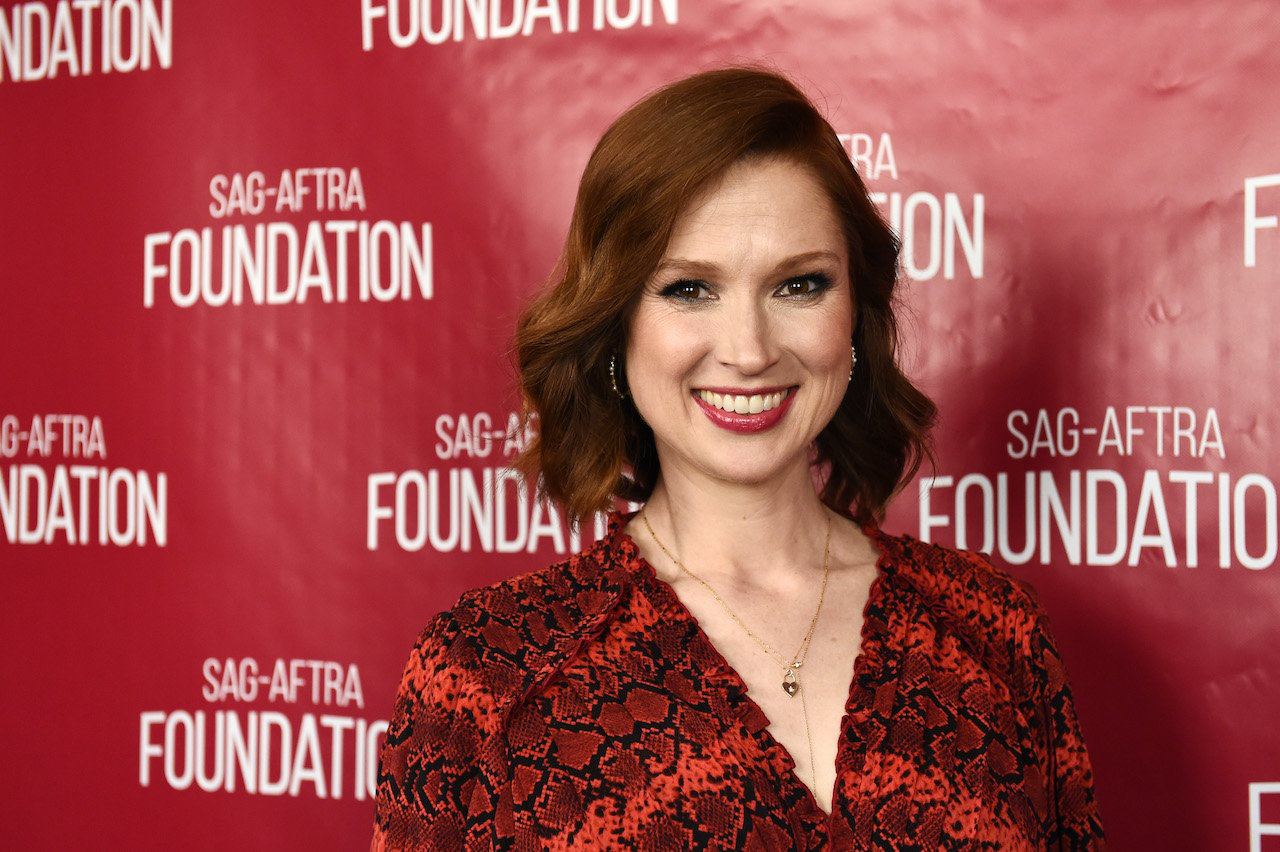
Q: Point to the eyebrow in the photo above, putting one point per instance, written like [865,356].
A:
[683,265]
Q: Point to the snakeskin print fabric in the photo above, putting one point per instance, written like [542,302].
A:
[581,707]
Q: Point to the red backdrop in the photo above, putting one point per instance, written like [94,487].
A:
[260,264]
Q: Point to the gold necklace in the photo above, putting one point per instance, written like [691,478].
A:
[790,683]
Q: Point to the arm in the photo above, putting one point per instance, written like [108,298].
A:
[436,781]
[1072,822]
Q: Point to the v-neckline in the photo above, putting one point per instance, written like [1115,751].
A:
[869,661]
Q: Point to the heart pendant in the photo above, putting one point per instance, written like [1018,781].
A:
[789,685]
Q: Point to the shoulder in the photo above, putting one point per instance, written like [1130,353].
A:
[441,766]
[994,614]
[470,666]
[557,597]
[1002,628]
[961,579]
[509,635]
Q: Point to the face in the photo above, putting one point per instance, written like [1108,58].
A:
[738,353]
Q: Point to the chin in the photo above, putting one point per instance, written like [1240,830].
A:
[756,472]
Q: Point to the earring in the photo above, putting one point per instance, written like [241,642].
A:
[854,361]
[613,375]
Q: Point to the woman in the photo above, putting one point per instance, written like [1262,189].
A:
[718,345]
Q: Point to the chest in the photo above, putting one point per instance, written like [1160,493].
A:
[806,722]
[647,730]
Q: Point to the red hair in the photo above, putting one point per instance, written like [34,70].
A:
[593,448]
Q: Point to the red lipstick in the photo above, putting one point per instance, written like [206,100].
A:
[745,423]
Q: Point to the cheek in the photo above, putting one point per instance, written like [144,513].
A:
[830,343]
[661,345]
[649,358]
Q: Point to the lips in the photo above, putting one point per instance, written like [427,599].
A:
[745,412]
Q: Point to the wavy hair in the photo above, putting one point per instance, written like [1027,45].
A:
[592,447]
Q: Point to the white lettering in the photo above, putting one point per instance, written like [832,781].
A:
[1252,221]
[1257,828]
[945,226]
[493,509]
[37,45]
[434,22]
[1077,516]
[274,263]
[39,506]
[271,753]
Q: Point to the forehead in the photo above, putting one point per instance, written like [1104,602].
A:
[760,205]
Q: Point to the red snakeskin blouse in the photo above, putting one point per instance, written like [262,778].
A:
[581,707]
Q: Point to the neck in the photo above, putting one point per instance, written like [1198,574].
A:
[762,535]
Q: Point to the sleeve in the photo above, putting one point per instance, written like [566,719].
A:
[436,779]
[1072,821]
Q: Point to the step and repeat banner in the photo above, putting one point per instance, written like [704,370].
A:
[259,269]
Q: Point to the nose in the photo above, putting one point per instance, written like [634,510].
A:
[747,341]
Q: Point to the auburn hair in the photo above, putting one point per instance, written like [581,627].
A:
[592,447]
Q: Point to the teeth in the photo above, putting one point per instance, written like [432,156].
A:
[742,404]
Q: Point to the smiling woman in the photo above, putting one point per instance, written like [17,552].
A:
[748,662]
[660,157]
[750,303]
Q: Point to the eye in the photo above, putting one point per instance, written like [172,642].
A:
[686,290]
[804,285]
